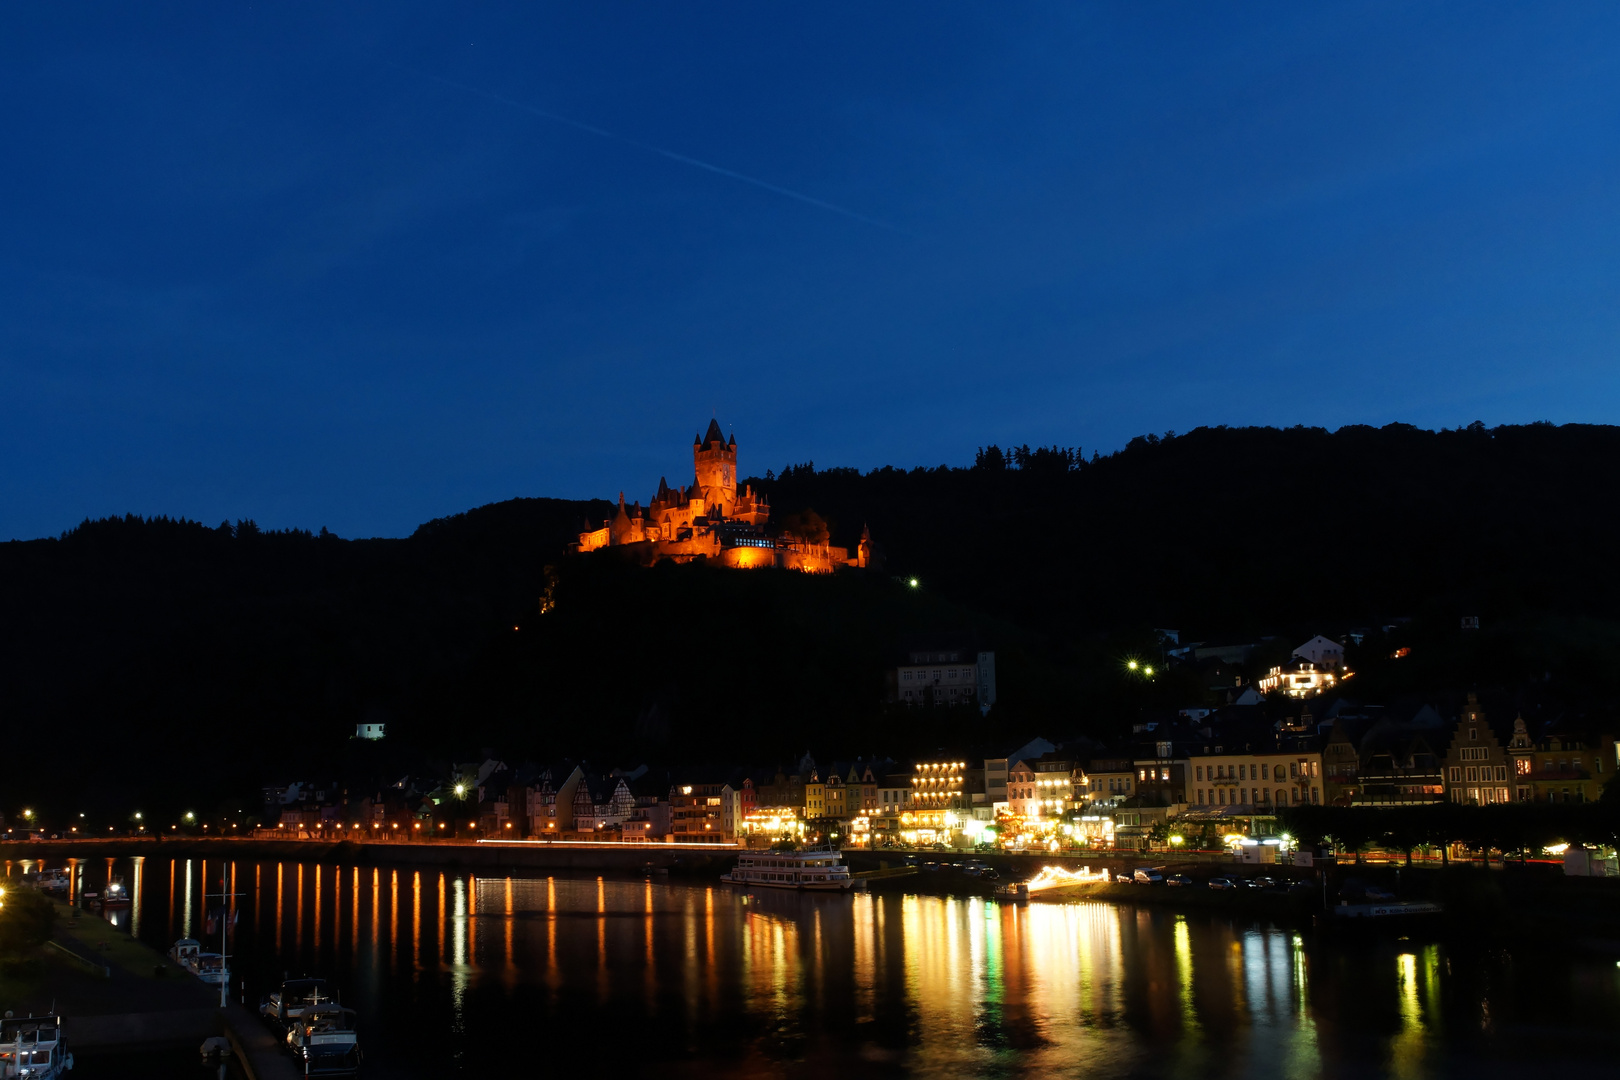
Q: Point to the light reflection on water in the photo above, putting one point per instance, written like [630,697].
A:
[707,980]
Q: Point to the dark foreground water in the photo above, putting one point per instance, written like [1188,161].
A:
[458,975]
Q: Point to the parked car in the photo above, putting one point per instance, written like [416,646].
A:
[1300,888]
[1377,894]
[1178,879]
[1249,883]
[1222,883]
[1146,876]
[1123,878]
[1265,883]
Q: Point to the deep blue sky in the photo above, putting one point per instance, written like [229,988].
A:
[340,264]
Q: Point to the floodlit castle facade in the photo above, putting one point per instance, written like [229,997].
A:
[714,519]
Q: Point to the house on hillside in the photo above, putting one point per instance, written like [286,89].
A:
[1323,652]
[1298,678]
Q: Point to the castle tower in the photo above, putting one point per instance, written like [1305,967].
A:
[714,459]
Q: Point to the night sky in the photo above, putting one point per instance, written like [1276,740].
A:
[362,265]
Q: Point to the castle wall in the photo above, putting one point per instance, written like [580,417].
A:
[814,558]
[749,558]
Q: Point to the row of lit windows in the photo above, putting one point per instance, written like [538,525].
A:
[1477,773]
[1238,796]
[907,675]
[1296,769]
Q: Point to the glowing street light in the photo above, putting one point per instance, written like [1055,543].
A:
[912,583]
[461,789]
[1148,671]
[1131,665]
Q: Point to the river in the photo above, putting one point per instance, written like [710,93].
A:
[458,975]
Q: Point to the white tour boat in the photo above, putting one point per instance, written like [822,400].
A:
[813,870]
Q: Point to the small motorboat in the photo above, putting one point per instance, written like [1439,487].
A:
[185,952]
[58,880]
[33,1048]
[115,896]
[287,1004]
[324,1042]
[207,966]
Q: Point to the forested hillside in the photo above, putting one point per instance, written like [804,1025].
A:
[204,661]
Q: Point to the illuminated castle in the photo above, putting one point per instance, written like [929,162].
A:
[712,519]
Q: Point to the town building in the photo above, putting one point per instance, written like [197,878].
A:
[1560,764]
[715,519]
[1254,776]
[944,674]
[1476,764]
[1104,781]
[995,769]
[698,813]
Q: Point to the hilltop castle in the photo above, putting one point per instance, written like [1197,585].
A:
[712,519]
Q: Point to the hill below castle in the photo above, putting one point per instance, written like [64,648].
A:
[228,657]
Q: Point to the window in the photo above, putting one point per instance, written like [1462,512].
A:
[1199,770]
[1243,772]
[1265,772]
[1501,774]
[1473,734]
[1456,774]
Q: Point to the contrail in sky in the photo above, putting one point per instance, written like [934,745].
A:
[660,151]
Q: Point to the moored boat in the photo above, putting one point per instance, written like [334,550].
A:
[288,1003]
[811,870]
[57,880]
[33,1048]
[324,1041]
[115,895]
[207,966]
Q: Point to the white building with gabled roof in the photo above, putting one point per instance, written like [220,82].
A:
[1323,652]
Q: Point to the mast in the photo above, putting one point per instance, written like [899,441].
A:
[224,929]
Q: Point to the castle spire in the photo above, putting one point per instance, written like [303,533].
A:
[714,435]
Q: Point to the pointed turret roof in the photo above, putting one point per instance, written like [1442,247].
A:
[713,435]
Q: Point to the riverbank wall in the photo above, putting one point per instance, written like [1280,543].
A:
[696,859]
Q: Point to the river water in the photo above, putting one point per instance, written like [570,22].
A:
[454,974]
